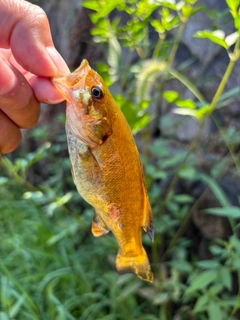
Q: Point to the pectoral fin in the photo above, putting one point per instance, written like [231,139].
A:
[97,131]
[98,226]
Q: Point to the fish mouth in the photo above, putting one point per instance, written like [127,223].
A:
[66,83]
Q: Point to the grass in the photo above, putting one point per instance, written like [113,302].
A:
[53,268]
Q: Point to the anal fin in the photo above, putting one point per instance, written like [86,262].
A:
[98,226]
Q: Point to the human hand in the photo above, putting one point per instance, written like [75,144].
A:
[27,61]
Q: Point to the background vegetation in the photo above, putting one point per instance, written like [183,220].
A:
[51,266]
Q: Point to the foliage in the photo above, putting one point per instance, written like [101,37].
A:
[51,266]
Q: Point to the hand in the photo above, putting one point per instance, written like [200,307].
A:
[27,61]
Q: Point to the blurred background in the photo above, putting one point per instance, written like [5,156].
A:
[173,67]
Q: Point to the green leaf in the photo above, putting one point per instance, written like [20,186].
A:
[189,84]
[226,277]
[159,148]
[157,25]
[233,6]
[170,96]
[201,303]
[187,103]
[168,4]
[216,36]
[3,181]
[183,198]
[216,189]
[161,298]
[214,311]
[186,10]
[93,5]
[187,173]
[16,307]
[215,289]
[201,281]
[131,288]
[4,316]
[141,123]
[208,264]
[103,70]
[237,23]
[228,212]
[39,154]
[181,266]
[21,164]
[202,111]
[104,10]
[136,120]
[172,161]
[142,105]
[235,263]
[216,250]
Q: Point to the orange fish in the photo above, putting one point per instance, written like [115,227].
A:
[106,167]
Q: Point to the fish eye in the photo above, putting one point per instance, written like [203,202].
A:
[97,92]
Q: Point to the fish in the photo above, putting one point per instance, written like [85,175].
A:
[106,167]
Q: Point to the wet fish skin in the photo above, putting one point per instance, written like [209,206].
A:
[106,167]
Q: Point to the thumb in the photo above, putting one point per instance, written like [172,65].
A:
[25,29]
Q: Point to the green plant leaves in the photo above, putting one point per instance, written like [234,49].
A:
[228,212]
[201,281]
[234,10]
[214,311]
[216,36]
[170,96]
[137,118]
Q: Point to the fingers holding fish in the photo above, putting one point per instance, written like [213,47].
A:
[27,54]
[35,50]
[10,134]
[44,90]
[17,99]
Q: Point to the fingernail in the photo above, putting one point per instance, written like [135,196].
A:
[7,79]
[62,68]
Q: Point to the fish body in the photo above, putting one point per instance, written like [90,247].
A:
[106,167]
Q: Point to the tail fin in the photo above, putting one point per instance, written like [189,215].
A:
[135,264]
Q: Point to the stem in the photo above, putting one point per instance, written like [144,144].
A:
[19,179]
[158,46]
[175,46]
[221,86]
[231,150]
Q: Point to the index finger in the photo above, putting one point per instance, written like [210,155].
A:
[25,29]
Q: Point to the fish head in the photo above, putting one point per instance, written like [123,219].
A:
[85,92]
